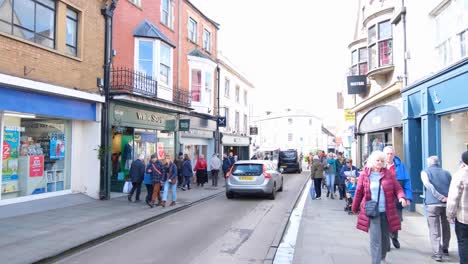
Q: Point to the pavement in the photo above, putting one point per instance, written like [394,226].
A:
[42,229]
[328,235]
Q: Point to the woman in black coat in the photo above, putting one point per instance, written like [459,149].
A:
[137,174]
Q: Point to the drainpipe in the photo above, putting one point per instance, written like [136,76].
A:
[405,64]
[104,190]
[218,135]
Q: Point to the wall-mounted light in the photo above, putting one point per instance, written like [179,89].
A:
[451,118]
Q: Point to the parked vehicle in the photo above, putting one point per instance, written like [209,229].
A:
[289,161]
[254,177]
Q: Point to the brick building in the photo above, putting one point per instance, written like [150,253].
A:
[51,58]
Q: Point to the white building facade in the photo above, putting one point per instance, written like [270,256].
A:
[234,104]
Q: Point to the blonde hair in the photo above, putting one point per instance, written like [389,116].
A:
[374,156]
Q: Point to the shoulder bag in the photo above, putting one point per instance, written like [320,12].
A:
[372,207]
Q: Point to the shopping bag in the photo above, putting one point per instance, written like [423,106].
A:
[120,176]
[127,187]
[312,191]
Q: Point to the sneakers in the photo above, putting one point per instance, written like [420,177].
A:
[437,258]
[318,198]
[395,242]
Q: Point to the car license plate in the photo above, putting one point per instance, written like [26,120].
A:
[246,178]
[284,166]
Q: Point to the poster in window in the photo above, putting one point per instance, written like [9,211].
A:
[36,166]
[10,159]
[57,146]
[160,150]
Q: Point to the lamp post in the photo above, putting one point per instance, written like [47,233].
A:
[104,190]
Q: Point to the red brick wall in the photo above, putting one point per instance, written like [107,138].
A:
[188,45]
[127,17]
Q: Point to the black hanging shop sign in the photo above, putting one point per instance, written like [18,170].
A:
[357,84]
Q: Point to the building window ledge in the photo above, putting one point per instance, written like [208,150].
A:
[379,71]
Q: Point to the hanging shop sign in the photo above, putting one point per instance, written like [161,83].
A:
[253,131]
[357,84]
[184,124]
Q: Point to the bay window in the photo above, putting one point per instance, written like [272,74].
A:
[196,85]
[380,45]
[165,64]
[209,85]
[359,62]
[153,58]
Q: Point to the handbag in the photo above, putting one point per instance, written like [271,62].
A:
[127,187]
[372,207]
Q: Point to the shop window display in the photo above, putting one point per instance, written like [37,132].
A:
[35,156]
[454,139]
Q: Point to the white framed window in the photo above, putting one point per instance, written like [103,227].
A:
[290,137]
[192,30]
[227,87]
[237,94]
[154,59]
[72,32]
[167,13]
[206,40]
[226,114]
[245,98]
[209,86]
[359,61]
[245,124]
[464,43]
[380,45]
[237,122]
[290,121]
[165,64]
[196,85]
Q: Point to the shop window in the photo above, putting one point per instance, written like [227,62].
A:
[31,20]
[36,155]
[196,85]
[454,139]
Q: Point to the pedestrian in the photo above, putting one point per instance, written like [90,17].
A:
[148,181]
[178,162]
[377,184]
[232,159]
[398,169]
[351,186]
[156,170]
[349,170]
[227,164]
[137,174]
[457,207]
[187,172]
[436,183]
[309,159]
[339,181]
[200,170]
[170,182]
[329,167]
[215,166]
[316,174]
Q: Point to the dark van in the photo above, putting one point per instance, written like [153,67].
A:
[289,161]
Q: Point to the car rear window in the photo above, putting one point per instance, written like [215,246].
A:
[247,169]
[288,154]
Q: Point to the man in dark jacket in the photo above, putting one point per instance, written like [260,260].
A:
[187,172]
[178,162]
[398,169]
[340,182]
[137,173]
[227,163]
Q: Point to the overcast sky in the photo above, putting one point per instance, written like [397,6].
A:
[294,52]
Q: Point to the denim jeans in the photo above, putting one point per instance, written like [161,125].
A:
[330,181]
[170,187]
[462,236]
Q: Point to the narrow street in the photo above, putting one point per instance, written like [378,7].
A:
[240,230]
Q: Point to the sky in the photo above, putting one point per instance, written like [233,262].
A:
[294,52]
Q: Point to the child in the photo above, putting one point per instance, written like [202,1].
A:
[350,190]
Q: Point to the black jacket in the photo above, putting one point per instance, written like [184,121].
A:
[137,171]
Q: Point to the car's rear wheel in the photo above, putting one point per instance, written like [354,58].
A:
[281,188]
[272,196]
[229,195]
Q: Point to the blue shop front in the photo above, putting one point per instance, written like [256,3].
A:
[435,121]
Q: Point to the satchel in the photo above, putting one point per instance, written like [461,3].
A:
[372,207]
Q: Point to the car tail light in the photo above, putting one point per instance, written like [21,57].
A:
[266,174]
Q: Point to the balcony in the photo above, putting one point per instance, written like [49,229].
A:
[128,81]
[182,97]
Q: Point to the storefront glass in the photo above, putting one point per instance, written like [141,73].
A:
[35,156]
[194,152]
[454,139]
[166,144]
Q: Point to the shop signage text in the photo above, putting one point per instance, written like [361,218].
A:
[149,117]
[357,84]
[184,124]
[348,115]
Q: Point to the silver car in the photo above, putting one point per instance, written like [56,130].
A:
[254,177]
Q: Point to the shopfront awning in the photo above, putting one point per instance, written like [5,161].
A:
[380,118]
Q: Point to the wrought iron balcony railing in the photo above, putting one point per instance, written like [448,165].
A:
[125,80]
[182,97]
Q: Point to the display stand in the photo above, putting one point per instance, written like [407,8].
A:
[55,180]
[30,184]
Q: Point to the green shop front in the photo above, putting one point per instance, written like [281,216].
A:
[138,130]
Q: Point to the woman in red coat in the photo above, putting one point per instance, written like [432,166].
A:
[200,170]
[387,221]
